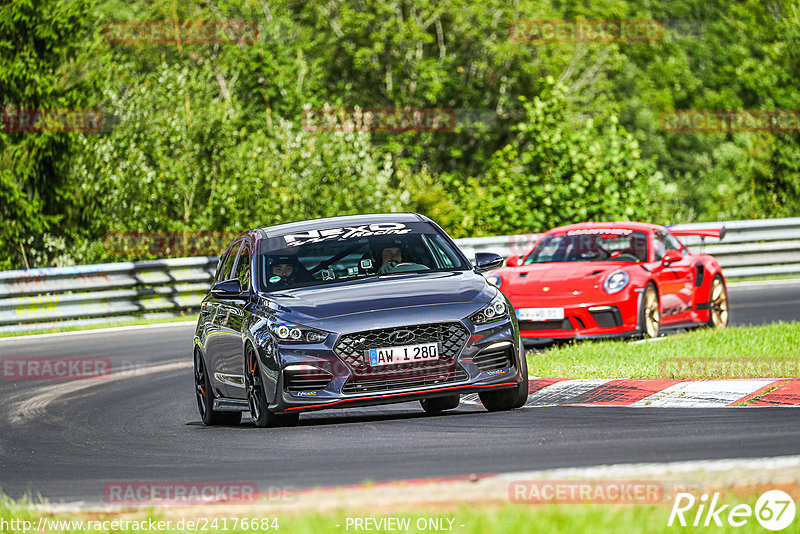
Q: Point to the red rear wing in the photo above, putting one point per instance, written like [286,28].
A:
[705,232]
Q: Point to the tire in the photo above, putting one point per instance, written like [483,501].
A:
[439,404]
[508,399]
[205,398]
[719,315]
[257,398]
[650,312]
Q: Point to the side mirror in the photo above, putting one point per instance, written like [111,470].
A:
[512,261]
[227,289]
[486,261]
[671,256]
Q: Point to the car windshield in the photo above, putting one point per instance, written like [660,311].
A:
[593,244]
[330,255]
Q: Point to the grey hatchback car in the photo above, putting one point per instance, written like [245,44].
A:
[353,311]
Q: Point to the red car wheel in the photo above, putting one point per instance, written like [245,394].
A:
[650,315]
[718,314]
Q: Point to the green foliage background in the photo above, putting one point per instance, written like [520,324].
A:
[210,138]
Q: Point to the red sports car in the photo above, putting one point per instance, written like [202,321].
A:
[613,280]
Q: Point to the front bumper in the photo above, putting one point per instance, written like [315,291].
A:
[607,317]
[477,366]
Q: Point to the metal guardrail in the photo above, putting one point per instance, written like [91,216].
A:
[41,299]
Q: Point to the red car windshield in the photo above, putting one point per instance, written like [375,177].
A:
[591,244]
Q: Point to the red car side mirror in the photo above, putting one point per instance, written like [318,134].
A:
[671,256]
[512,261]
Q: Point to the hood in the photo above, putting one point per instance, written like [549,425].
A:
[565,277]
[375,303]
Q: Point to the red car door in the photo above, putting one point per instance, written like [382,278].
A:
[675,279]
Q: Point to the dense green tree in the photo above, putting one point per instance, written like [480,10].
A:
[180,159]
[194,128]
[560,169]
[39,41]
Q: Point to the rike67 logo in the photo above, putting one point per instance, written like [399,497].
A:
[774,510]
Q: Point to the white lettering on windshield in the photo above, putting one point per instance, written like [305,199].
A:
[345,232]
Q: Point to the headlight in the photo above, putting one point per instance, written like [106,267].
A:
[494,279]
[616,282]
[286,332]
[497,310]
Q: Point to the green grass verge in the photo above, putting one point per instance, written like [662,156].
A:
[771,351]
[508,518]
[134,322]
[763,278]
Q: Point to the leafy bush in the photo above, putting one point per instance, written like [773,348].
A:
[561,168]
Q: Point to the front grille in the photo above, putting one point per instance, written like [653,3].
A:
[297,381]
[535,326]
[491,360]
[351,348]
[355,385]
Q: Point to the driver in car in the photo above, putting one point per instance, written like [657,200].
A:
[285,271]
[390,257]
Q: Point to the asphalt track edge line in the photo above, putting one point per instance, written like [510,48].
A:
[97,331]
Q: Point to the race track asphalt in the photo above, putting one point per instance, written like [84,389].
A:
[67,440]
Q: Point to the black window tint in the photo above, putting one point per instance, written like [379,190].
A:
[659,245]
[243,267]
[671,243]
[228,260]
[443,255]
[220,263]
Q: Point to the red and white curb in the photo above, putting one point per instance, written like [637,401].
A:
[660,392]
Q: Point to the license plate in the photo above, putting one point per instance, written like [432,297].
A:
[403,354]
[540,314]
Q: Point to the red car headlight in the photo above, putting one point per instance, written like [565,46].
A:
[616,282]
